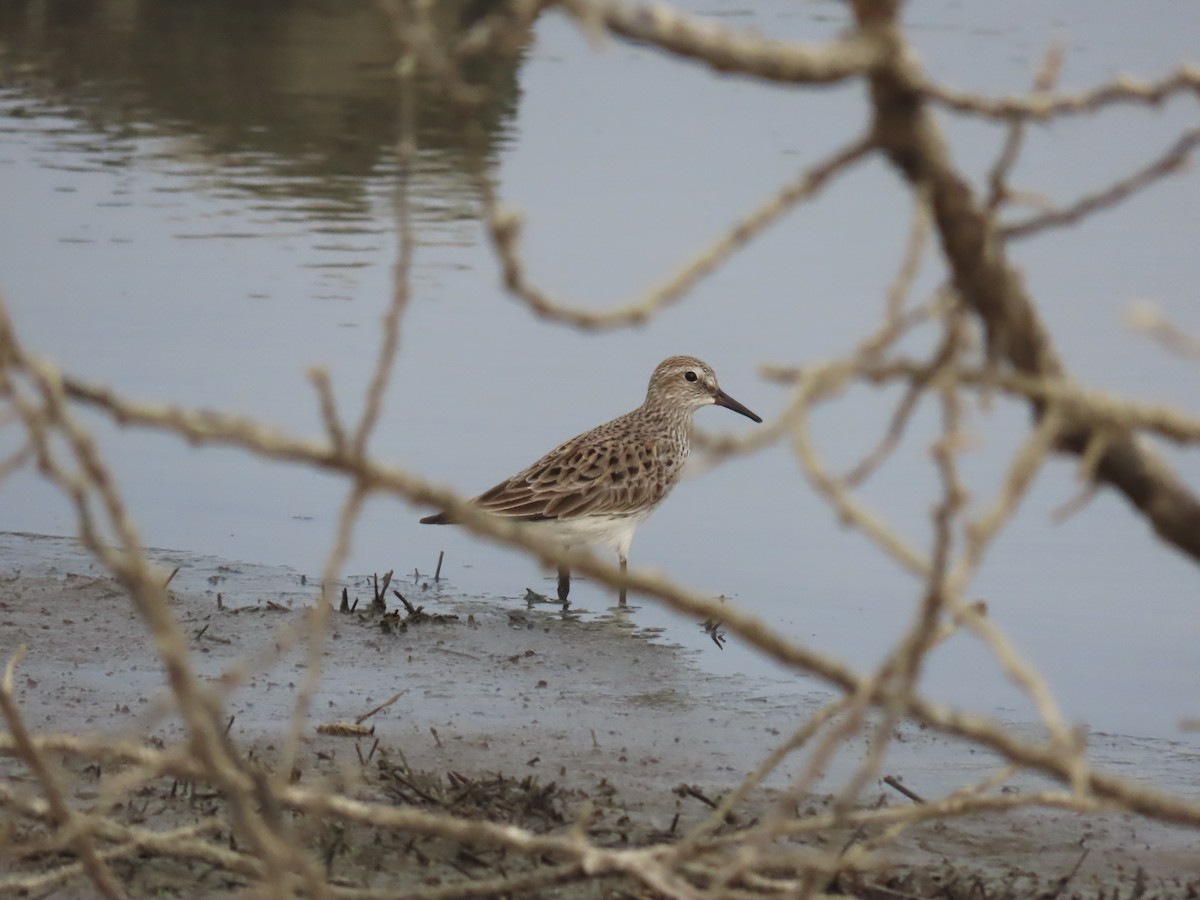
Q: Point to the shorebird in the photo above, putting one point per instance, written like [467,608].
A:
[600,485]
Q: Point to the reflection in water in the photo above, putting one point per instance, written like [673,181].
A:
[293,102]
[204,194]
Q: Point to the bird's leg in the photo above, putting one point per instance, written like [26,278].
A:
[624,569]
[564,585]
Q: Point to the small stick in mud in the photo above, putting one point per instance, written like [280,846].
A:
[437,740]
[893,782]
[1066,879]
[408,607]
[171,577]
[417,614]
[382,706]
[378,602]
[437,573]
[345,606]
[687,790]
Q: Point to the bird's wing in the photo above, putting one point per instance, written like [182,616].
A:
[588,477]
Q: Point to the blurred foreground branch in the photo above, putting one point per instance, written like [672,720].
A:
[988,338]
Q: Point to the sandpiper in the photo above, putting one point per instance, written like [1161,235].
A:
[600,485]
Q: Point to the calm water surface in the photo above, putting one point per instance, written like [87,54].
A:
[198,208]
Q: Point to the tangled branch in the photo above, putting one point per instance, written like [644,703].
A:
[989,338]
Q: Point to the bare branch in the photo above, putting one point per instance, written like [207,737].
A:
[1174,160]
[1147,319]
[992,287]
[505,230]
[75,829]
[725,50]
[1047,77]
[262,831]
[1041,107]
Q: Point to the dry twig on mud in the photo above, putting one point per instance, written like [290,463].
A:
[989,338]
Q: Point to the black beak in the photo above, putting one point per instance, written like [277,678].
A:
[723,399]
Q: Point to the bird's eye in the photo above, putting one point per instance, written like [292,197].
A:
[690,376]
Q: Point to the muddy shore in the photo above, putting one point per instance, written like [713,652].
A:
[526,710]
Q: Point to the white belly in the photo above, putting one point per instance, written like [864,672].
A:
[615,532]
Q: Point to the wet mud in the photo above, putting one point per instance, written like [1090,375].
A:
[492,709]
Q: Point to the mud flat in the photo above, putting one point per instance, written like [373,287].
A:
[506,713]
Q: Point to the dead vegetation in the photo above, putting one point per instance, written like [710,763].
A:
[215,815]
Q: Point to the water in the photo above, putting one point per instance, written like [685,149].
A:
[199,208]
